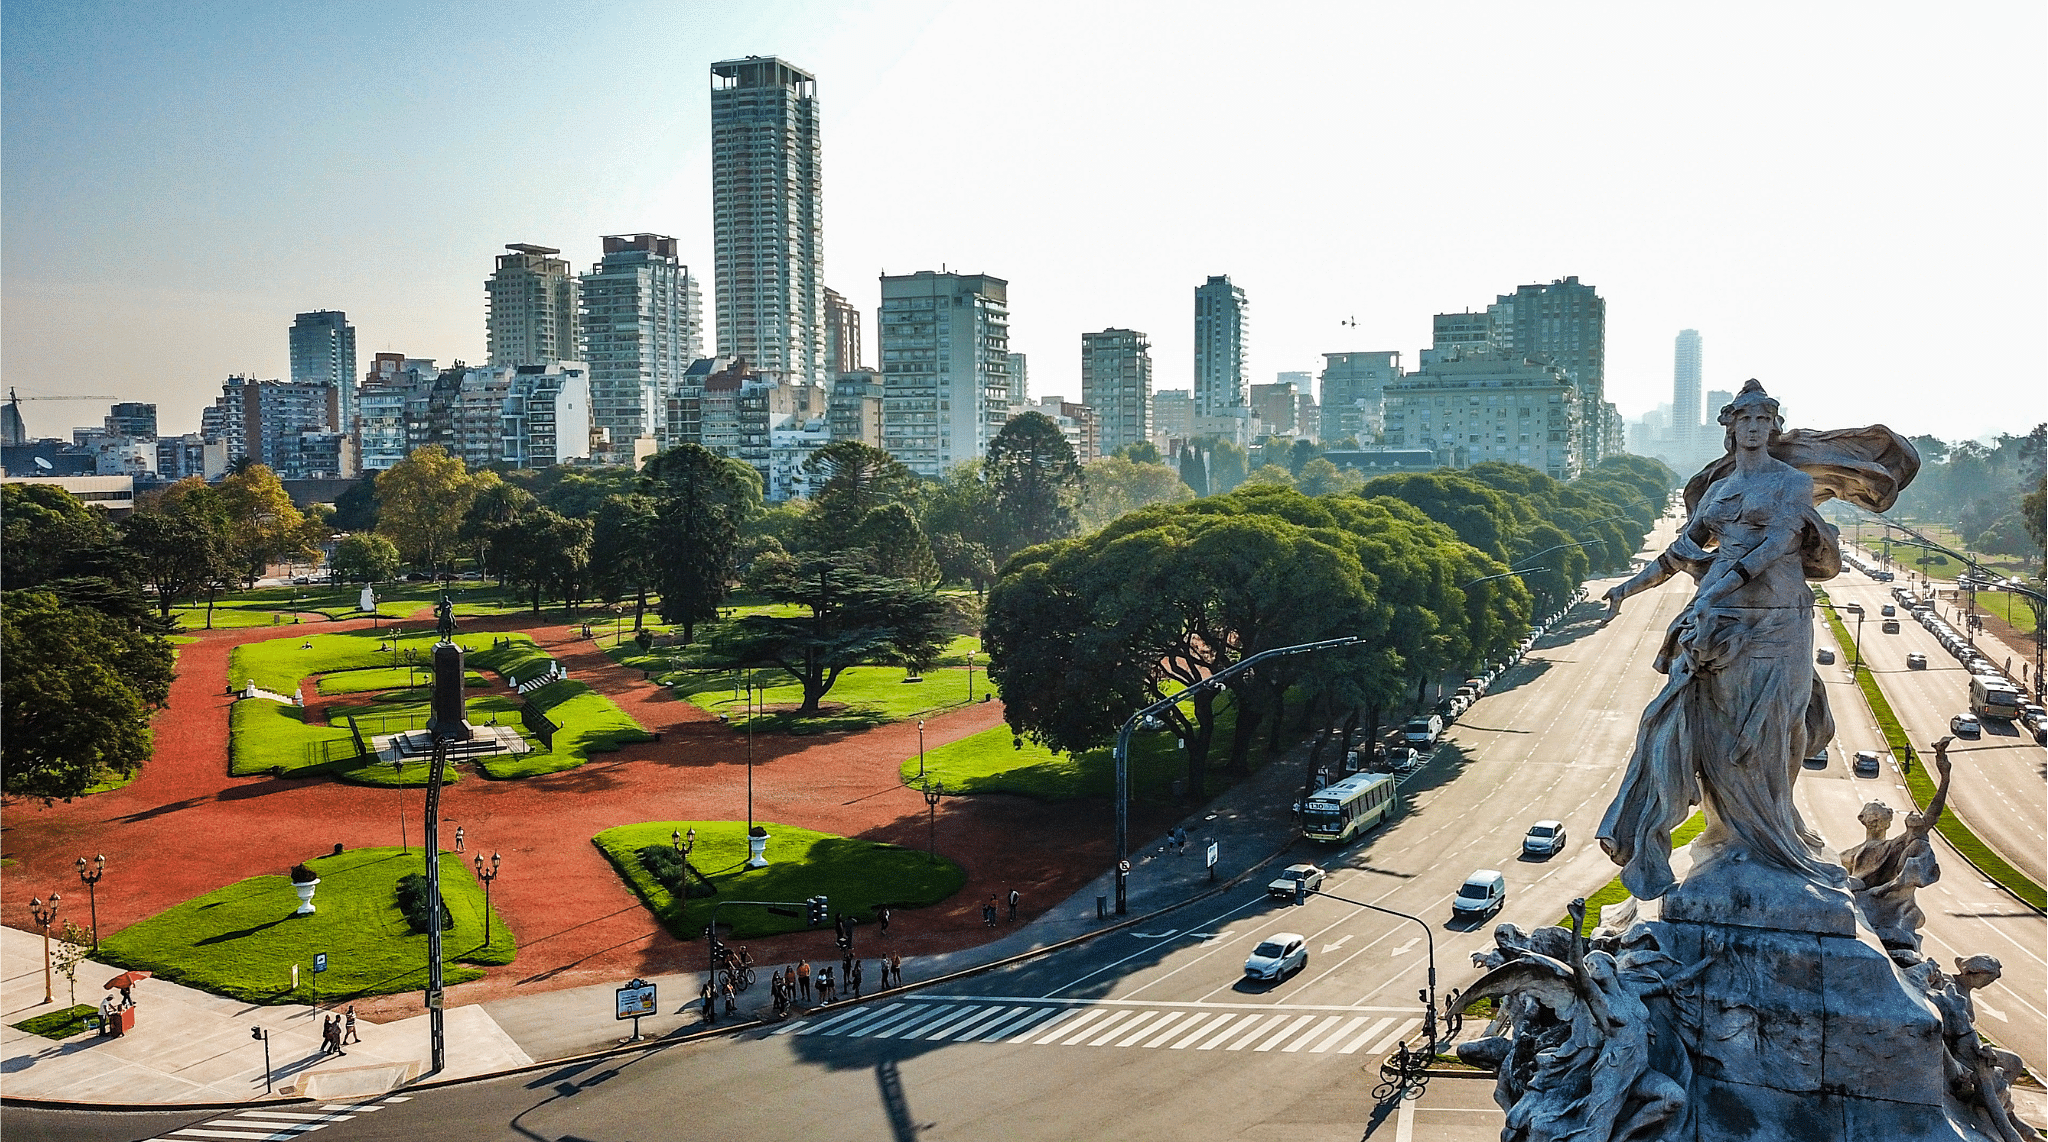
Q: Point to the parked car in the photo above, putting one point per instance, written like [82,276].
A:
[1308,876]
[1966,726]
[1819,760]
[1480,896]
[1916,661]
[1824,656]
[1545,838]
[1866,764]
[1423,731]
[1277,957]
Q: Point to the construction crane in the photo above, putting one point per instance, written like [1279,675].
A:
[14,430]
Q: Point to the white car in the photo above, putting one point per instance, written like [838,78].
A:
[1277,957]
[1308,876]
[1480,896]
[1545,838]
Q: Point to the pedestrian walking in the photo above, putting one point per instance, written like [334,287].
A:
[803,981]
[988,912]
[825,984]
[710,1006]
[789,983]
[349,1034]
[1014,897]
[896,968]
[732,1006]
[853,974]
[883,915]
[458,838]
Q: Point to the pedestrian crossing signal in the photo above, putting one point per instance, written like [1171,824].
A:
[814,910]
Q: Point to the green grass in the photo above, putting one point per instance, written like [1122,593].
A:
[280,664]
[992,761]
[1616,892]
[394,600]
[271,737]
[62,1024]
[2009,607]
[856,875]
[226,618]
[242,940]
[1951,826]
[364,681]
[590,723]
[864,696]
[514,657]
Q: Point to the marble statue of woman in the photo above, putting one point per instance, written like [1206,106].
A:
[1742,706]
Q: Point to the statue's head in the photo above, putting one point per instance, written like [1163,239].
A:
[1640,934]
[1876,817]
[1977,971]
[1751,400]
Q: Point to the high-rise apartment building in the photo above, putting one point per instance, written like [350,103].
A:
[545,418]
[767,218]
[1470,406]
[132,418]
[642,327]
[284,425]
[1354,393]
[945,348]
[854,409]
[1173,415]
[530,307]
[392,400]
[842,335]
[323,348]
[1078,423]
[1685,388]
[1566,322]
[1020,380]
[1116,381]
[1220,315]
[1275,406]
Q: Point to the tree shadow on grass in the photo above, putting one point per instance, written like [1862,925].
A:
[240,933]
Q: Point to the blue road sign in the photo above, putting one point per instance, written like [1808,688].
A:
[319,962]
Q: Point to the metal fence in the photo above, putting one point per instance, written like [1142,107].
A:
[538,724]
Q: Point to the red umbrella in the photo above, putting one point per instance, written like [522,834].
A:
[128,979]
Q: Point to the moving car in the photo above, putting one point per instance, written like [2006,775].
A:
[1480,896]
[1545,838]
[1277,957]
[1916,661]
[1308,876]
[1888,610]
[1824,656]
[1966,726]
[1866,763]
[1819,760]
[1890,626]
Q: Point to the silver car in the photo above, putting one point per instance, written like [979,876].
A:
[1545,838]
[1277,957]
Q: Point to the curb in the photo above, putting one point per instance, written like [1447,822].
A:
[675,1038]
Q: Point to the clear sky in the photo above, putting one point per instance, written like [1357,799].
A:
[1846,199]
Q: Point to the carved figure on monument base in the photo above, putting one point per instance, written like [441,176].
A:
[1887,871]
[1979,1073]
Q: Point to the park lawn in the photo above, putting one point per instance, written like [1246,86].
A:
[61,1024]
[855,875]
[515,657]
[589,723]
[394,600]
[993,761]
[242,940]
[271,737]
[2009,607]
[365,680]
[225,618]
[864,696]
[280,664]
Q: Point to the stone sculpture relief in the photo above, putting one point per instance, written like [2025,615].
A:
[1887,871]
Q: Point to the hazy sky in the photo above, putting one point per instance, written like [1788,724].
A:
[1847,200]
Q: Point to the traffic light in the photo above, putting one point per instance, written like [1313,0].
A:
[814,910]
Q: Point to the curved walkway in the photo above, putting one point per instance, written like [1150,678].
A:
[184,827]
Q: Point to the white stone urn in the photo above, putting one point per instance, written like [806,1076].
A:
[303,883]
[757,847]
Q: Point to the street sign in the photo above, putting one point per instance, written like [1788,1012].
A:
[1212,854]
[320,958]
[634,1000]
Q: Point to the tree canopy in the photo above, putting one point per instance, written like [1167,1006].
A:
[701,501]
[76,696]
[854,618]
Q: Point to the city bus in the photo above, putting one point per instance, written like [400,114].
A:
[1337,813]
[1993,698]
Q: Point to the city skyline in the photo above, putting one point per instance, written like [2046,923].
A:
[173,220]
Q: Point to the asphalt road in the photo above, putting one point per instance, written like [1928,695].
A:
[2001,779]
[1151,1032]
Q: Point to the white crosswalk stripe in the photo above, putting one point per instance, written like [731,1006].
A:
[1257,1028]
[265,1125]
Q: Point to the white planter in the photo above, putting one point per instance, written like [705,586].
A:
[305,892]
[756,847]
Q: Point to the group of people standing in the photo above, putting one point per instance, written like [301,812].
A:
[336,1030]
[993,908]
[797,983]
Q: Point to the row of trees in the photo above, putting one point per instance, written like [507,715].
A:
[1081,632]
[1991,494]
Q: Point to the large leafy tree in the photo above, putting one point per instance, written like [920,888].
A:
[365,557]
[701,499]
[1034,482]
[263,525]
[76,696]
[180,545]
[497,502]
[854,619]
[1118,485]
[622,554]
[849,479]
[51,534]
[422,501]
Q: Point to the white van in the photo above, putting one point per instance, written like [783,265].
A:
[1423,731]
[1480,896]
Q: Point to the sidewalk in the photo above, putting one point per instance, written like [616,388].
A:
[192,1047]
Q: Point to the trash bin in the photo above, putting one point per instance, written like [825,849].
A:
[1102,907]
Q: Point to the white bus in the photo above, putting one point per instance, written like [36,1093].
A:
[1337,813]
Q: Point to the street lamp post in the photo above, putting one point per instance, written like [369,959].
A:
[970,676]
[920,749]
[397,786]
[487,878]
[932,792]
[91,880]
[1430,1022]
[1858,663]
[45,915]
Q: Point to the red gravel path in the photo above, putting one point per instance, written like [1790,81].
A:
[184,827]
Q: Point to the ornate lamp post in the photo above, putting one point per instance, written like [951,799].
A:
[487,877]
[684,844]
[44,915]
[91,880]
[932,792]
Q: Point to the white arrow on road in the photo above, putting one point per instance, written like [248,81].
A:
[1987,1009]
[1155,935]
[1341,941]
[1404,947]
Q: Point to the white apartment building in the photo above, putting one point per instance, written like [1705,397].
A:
[1116,381]
[767,219]
[1354,388]
[642,328]
[392,400]
[1220,328]
[546,415]
[1473,405]
[530,307]
[945,358]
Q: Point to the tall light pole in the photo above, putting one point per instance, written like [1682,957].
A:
[487,878]
[44,915]
[970,676]
[920,749]
[932,792]
[92,880]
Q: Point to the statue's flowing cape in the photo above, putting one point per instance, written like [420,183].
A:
[1866,466]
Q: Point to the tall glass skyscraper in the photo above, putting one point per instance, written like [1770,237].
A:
[323,346]
[1685,387]
[767,218]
